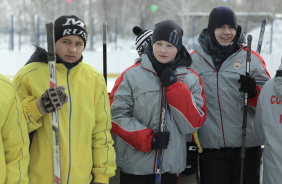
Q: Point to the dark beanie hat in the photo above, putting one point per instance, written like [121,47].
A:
[169,31]
[143,39]
[70,25]
[220,16]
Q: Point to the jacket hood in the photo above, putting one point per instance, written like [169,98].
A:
[206,43]
[39,55]
[220,53]
[182,58]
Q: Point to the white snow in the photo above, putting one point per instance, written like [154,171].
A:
[122,54]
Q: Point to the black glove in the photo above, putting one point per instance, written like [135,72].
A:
[168,77]
[248,85]
[52,99]
[160,140]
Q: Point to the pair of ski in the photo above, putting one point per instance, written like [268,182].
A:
[51,56]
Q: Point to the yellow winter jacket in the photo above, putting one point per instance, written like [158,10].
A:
[14,141]
[84,124]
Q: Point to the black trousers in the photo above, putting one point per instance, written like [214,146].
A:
[167,178]
[223,166]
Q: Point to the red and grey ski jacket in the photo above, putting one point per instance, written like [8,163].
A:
[225,104]
[268,127]
[136,108]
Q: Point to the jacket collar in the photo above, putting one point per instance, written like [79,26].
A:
[207,45]
[183,58]
[40,55]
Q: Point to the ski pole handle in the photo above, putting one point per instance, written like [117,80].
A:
[249,51]
[104,26]
[50,41]
[51,56]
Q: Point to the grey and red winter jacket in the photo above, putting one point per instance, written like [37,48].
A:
[136,107]
[268,127]
[225,104]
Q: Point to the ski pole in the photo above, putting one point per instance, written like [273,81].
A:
[104,25]
[262,29]
[55,116]
[248,59]
[160,152]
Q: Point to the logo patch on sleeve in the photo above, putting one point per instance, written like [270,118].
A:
[237,64]
[181,80]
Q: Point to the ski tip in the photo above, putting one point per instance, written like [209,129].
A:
[104,24]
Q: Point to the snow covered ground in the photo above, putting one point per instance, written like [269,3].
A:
[122,54]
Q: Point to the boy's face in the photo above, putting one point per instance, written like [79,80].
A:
[224,34]
[70,48]
[164,51]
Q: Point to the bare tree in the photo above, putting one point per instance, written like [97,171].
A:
[123,15]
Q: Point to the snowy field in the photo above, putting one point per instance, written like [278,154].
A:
[122,54]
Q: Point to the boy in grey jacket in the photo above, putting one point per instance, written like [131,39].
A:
[220,61]
[268,127]
[138,103]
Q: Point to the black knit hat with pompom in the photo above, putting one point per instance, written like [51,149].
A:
[142,40]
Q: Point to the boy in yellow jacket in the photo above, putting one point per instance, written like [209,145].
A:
[14,141]
[82,102]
